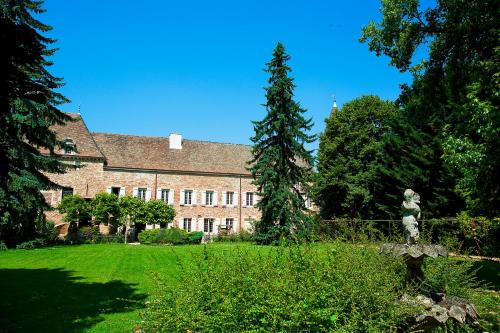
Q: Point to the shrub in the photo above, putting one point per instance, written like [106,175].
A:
[172,236]
[89,234]
[195,237]
[32,244]
[242,236]
[148,236]
[3,247]
[46,230]
[339,287]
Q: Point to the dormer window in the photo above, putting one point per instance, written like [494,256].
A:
[69,148]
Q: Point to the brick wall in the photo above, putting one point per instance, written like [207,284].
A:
[93,177]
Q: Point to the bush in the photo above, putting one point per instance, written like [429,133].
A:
[89,234]
[32,244]
[195,237]
[293,289]
[3,247]
[242,236]
[172,236]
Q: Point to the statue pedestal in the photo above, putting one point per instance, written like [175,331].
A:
[414,255]
[438,308]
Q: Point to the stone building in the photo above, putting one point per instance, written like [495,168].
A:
[206,182]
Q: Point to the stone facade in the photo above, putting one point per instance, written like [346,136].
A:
[222,169]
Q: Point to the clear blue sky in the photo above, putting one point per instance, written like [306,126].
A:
[195,67]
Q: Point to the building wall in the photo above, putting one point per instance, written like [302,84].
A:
[93,177]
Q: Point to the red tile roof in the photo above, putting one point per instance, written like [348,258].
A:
[79,133]
[153,153]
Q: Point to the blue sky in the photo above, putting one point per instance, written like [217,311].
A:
[196,67]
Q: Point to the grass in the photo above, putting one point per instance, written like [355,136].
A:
[102,288]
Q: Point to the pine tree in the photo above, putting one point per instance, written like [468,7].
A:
[28,107]
[281,165]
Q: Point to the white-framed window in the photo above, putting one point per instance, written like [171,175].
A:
[141,193]
[209,198]
[208,225]
[188,197]
[164,195]
[229,223]
[186,224]
[308,203]
[229,198]
[249,199]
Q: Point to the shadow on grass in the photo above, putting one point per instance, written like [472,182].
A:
[488,271]
[52,300]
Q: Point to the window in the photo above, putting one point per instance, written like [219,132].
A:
[208,225]
[308,203]
[249,199]
[249,224]
[209,198]
[68,150]
[188,197]
[67,191]
[164,195]
[186,224]
[141,193]
[230,198]
[229,223]
[115,191]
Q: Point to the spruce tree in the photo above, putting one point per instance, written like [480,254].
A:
[28,107]
[281,165]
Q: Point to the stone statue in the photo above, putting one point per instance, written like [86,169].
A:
[411,213]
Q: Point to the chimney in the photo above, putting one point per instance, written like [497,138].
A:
[175,141]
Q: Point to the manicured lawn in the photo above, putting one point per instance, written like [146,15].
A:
[102,288]
[85,288]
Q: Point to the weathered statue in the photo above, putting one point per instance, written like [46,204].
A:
[411,213]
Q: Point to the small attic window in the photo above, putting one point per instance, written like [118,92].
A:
[69,149]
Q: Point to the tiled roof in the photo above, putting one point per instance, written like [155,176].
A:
[79,133]
[153,153]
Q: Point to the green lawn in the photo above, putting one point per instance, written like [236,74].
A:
[86,288]
[100,288]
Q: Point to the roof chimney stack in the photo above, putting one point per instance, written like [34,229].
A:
[175,141]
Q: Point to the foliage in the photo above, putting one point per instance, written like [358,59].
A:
[368,155]
[242,236]
[133,207]
[105,209]
[28,108]
[32,244]
[116,279]
[46,230]
[195,237]
[281,165]
[76,210]
[454,94]
[464,234]
[174,236]
[159,212]
[3,247]
[285,289]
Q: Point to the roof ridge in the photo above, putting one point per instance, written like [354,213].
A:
[165,137]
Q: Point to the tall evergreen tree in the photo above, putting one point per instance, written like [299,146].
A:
[28,107]
[281,165]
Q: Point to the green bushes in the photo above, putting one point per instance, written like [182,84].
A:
[242,236]
[465,234]
[32,244]
[172,236]
[337,287]
[3,247]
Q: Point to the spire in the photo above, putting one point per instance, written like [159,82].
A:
[334,107]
